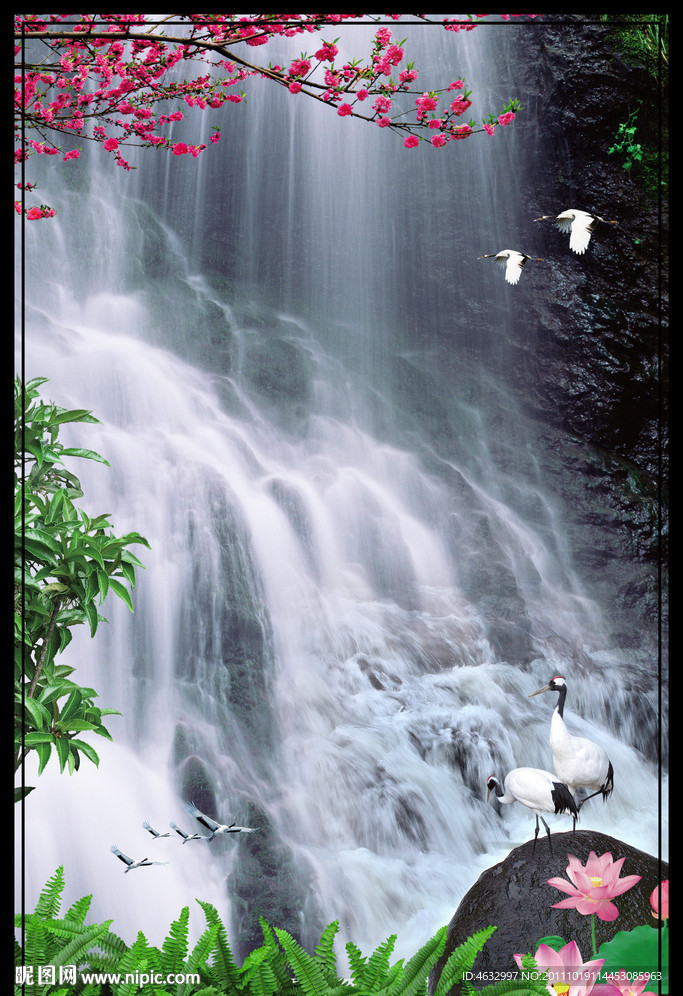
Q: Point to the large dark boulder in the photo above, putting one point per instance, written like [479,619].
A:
[514,896]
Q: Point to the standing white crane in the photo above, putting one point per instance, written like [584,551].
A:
[512,260]
[130,863]
[216,829]
[579,762]
[154,833]
[536,789]
[187,836]
[579,224]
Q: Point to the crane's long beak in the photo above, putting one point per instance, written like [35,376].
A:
[488,794]
[546,688]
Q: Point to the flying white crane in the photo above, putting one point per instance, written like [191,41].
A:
[513,262]
[154,833]
[187,836]
[538,790]
[579,224]
[578,762]
[216,828]
[142,863]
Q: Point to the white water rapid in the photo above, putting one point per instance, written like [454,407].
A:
[358,571]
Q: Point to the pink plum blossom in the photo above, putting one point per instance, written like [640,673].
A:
[489,129]
[506,118]
[411,141]
[659,900]
[111,145]
[592,887]
[567,972]
[439,140]
[344,110]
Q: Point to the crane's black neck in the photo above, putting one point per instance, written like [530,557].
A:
[498,789]
[561,696]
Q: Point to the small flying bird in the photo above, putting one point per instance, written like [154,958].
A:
[536,789]
[187,836]
[143,863]
[513,262]
[154,833]
[216,828]
[578,762]
[579,224]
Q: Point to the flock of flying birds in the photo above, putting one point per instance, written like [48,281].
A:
[216,830]
[579,764]
[578,224]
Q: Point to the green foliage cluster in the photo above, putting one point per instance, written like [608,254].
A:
[643,40]
[279,967]
[65,564]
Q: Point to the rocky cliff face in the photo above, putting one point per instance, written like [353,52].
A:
[603,354]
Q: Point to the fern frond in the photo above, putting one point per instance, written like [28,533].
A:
[50,898]
[375,973]
[357,960]
[258,974]
[324,950]
[416,970]
[79,909]
[278,962]
[81,944]
[306,970]
[223,969]
[461,960]
[174,948]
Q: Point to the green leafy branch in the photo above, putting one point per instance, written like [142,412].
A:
[279,967]
[65,564]
[625,142]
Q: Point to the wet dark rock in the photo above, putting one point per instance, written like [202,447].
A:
[514,896]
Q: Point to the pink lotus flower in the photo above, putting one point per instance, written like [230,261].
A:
[659,900]
[567,972]
[591,888]
[620,984]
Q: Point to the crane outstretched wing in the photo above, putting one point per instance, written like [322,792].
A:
[205,821]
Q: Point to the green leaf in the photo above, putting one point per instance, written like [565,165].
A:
[86,454]
[120,589]
[306,970]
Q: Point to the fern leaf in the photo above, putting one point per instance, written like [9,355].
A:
[223,969]
[278,962]
[357,960]
[79,909]
[416,970]
[461,960]
[174,948]
[324,951]
[306,970]
[376,970]
[50,898]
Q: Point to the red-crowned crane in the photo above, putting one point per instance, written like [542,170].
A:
[538,790]
[579,224]
[187,836]
[155,833]
[142,863]
[216,828]
[513,262]
[578,762]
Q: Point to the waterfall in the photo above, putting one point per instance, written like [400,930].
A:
[358,571]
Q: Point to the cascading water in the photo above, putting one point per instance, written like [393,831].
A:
[357,573]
